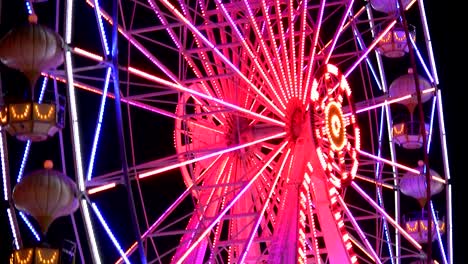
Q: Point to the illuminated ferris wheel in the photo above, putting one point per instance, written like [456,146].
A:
[253,132]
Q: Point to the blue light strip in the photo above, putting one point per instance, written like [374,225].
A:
[99,123]
[27,149]
[379,193]
[28,143]
[361,45]
[43,88]
[29,7]
[431,79]
[439,237]
[109,232]
[97,10]
[31,227]
[6,191]
[431,124]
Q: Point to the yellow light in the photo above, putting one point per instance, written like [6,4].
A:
[4,115]
[23,256]
[44,112]
[47,256]
[20,112]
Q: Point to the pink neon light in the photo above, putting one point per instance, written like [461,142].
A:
[87,54]
[194,30]
[157,222]
[270,196]
[389,102]
[341,28]
[386,185]
[370,48]
[101,188]
[373,254]
[415,171]
[110,95]
[181,164]
[265,48]
[316,37]
[389,162]
[185,89]
[228,207]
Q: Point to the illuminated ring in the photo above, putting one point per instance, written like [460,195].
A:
[335,126]
[334,130]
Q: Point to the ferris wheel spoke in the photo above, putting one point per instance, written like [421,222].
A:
[282,61]
[370,250]
[210,155]
[216,52]
[386,215]
[366,52]
[268,201]
[230,204]
[266,51]
[396,164]
[195,92]
[339,30]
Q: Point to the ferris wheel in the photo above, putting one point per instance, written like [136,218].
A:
[250,132]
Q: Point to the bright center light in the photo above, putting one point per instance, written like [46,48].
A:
[335,128]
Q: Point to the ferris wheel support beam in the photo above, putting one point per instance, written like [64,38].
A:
[448,190]
[118,115]
[6,177]
[443,137]
[423,132]
[76,145]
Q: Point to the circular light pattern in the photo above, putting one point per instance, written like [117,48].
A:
[335,131]
[335,126]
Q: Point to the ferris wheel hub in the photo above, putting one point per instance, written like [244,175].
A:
[295,119]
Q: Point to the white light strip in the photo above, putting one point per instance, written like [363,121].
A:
[13,231]
[6,190]
[439,237]
[91,238]
[422,12]
[68,21]
[74,122]
[76,143]
[78,158]
[448,191]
